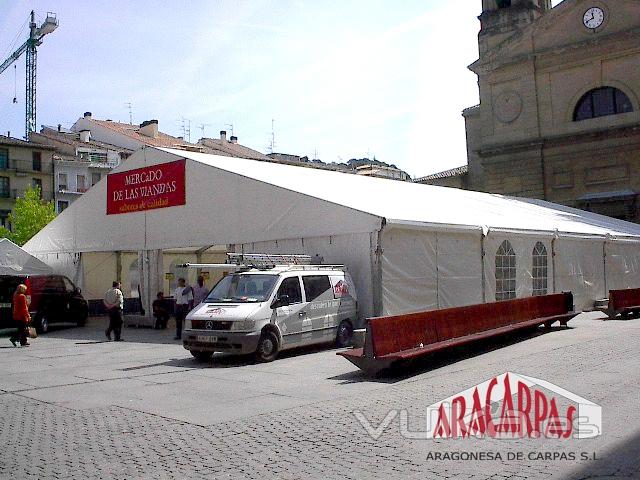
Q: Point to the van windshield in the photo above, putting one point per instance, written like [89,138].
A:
[238,288]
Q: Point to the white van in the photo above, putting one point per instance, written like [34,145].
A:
[265,311]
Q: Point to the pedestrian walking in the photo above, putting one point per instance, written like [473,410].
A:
[200,292]
[21,316]
[114,302]
[184,302]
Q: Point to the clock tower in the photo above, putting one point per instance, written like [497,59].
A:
[500,19]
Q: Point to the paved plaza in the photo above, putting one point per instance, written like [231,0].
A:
[76,406]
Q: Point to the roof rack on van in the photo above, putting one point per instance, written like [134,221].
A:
[264,261]
[267,259]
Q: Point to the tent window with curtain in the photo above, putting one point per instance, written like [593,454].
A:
[505,272]
[134,279]
[540,271]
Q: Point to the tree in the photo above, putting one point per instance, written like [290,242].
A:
[29,216]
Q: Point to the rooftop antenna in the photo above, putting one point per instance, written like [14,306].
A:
[129,105]
[202,126]
[230,125]
[186,129]
[272,145]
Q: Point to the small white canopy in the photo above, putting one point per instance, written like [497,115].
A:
[15,261]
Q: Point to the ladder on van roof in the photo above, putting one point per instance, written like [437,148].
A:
[241,261]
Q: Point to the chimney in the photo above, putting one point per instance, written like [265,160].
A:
[223,135]
[85,135]
[234,139]
[149,128]
[59,127]
[87,115]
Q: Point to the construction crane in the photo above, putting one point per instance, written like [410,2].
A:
[34,40]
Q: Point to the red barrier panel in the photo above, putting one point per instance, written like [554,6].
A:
[407,336]
[624,302]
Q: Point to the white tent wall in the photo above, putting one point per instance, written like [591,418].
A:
[67,264]
[579,264]
[352,250]
[523,245]
[424,269]
[622,264]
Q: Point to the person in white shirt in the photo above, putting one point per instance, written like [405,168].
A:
[114,302]
[184,302]
[200,291]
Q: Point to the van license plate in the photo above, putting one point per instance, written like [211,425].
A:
[206,338]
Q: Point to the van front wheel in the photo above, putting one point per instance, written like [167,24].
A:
[344,334]
[267,347]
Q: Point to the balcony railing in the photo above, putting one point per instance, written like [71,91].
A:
[14,193]
[26,166]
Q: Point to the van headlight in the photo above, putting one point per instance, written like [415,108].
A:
[243,325]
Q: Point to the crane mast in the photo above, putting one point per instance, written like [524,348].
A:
[30,46]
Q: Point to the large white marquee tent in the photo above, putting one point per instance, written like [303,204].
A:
[408,246]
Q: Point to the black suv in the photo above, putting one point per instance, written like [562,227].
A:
[54,298]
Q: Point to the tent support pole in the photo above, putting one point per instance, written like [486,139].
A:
[375,240]
[553,262]
[483,276]
[119,266]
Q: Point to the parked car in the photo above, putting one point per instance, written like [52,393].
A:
[265,311]
[53,299]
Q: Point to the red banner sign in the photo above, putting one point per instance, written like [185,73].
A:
[148,188]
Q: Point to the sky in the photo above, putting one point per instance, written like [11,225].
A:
[331,79]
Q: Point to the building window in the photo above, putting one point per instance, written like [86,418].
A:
[540,270]
[100,157]
[5,187]
[36,158]
[62,181]
[504,3]
[62,205]
[4,158]
[505,272]
[601,102]
[4,219]
[95,178]
[37,183]
[80,183]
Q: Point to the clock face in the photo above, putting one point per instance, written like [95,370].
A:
[593,17]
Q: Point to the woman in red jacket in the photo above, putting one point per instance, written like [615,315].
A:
[21,316]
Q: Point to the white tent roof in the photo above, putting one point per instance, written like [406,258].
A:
[234,200]
[15,261]
[413,203]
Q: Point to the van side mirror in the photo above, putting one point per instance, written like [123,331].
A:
[281,301]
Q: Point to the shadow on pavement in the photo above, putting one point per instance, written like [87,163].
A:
[620,461]
[403,370]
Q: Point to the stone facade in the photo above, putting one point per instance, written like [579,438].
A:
[23,164]
[559,113]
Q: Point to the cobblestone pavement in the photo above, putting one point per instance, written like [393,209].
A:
[73,407]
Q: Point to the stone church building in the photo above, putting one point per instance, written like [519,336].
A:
[559,112]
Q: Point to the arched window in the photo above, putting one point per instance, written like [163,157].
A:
[540,271]
[134,279]
[601,102]
[505,272]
